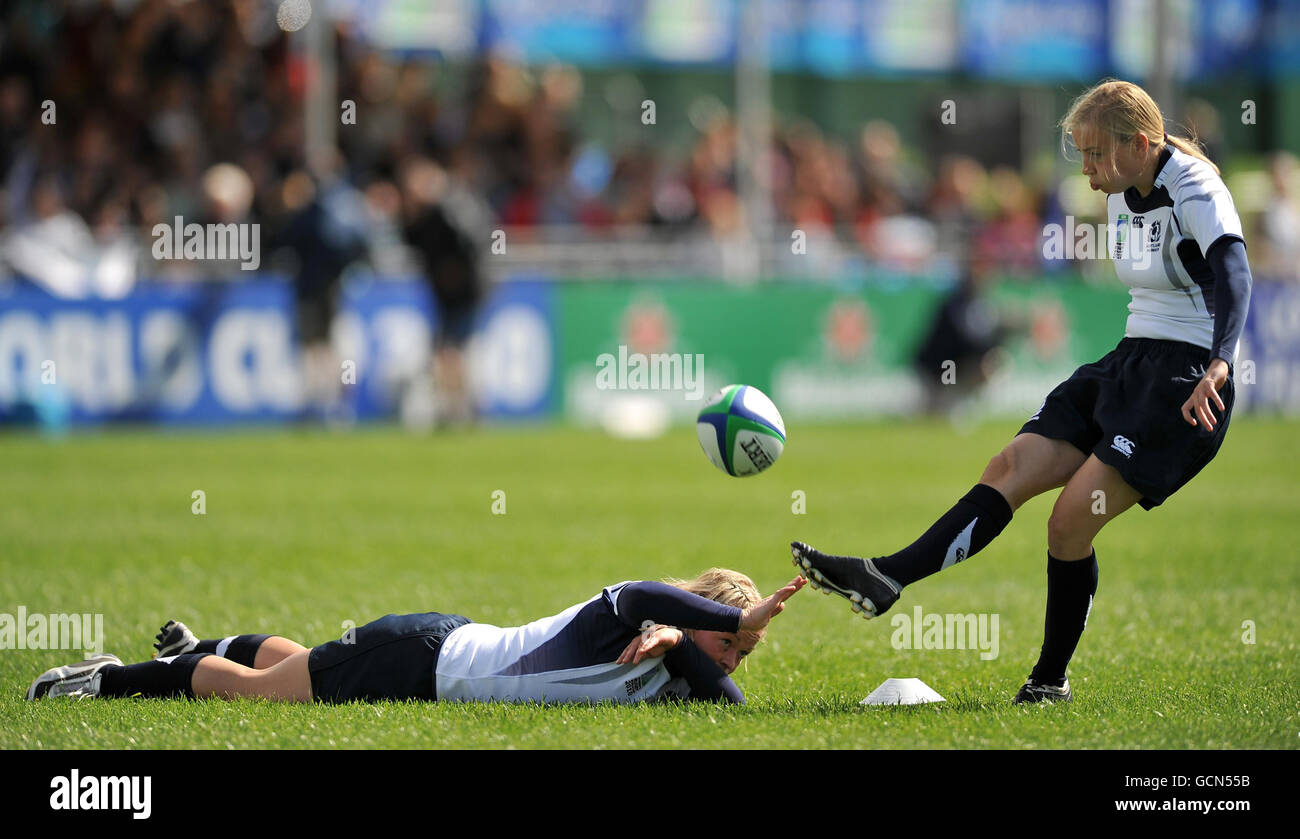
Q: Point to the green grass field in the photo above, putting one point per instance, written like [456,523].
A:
[306,530]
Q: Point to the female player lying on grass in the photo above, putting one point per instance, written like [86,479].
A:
[633,642]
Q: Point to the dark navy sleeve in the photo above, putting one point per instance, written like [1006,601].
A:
[662,603]
[708,682]
[1232,281]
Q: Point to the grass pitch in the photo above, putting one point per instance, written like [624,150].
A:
[304,531]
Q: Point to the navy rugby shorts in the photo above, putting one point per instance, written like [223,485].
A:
[1126,409]
[393,657]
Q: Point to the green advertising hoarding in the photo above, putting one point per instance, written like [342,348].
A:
[821,353]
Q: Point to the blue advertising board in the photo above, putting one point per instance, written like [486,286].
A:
[1014,40]
[1038,39]
[576,31]
[222,352]
[1267,371]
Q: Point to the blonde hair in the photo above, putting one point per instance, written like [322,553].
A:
[730,588]
[1123,110]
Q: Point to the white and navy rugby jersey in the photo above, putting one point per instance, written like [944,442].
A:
[1163,249]
[570,657]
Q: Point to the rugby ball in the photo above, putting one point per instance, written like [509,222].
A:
[741,430]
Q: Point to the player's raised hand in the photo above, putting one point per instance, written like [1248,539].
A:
[756,617]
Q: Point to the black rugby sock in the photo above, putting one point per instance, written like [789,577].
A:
[151,678]
[963,531]
[1070,589]
[241,649]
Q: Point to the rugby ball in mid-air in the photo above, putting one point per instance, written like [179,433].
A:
[741,431]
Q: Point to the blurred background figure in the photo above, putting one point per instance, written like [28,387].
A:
[1280,224]
[55,249]
[324,233]
[448,228]
[963,345]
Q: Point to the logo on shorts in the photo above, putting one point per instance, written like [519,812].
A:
[1193,378]
[1123,445]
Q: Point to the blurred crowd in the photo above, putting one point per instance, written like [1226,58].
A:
[116,117]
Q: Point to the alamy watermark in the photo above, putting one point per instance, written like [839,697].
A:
[651,371]
[934,631]
[74,791]
[56,631]
[209,241]
[1131,238]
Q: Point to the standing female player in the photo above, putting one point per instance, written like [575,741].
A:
[623,645]
[1136,425]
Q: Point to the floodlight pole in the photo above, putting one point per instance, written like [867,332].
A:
[321,107]
[754,130]
[1162,62]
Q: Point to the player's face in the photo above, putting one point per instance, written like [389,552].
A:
[1110,166]
[727,649]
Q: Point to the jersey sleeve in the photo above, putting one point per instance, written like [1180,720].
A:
[705,678]
[1205,210]
[1232,283]
[635,603]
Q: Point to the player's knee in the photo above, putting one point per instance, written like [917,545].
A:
[1057,528]
[1002,465]
[1066,534]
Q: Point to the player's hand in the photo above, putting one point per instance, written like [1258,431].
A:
[1196,410]
[653,642]
[755,618]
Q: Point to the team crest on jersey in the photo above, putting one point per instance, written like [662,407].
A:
[1153,237]
[1121,233]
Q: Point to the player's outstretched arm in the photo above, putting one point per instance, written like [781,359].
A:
[660,603]
[658,639]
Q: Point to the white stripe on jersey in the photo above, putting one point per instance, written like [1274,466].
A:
[481,662]
[1159,245]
